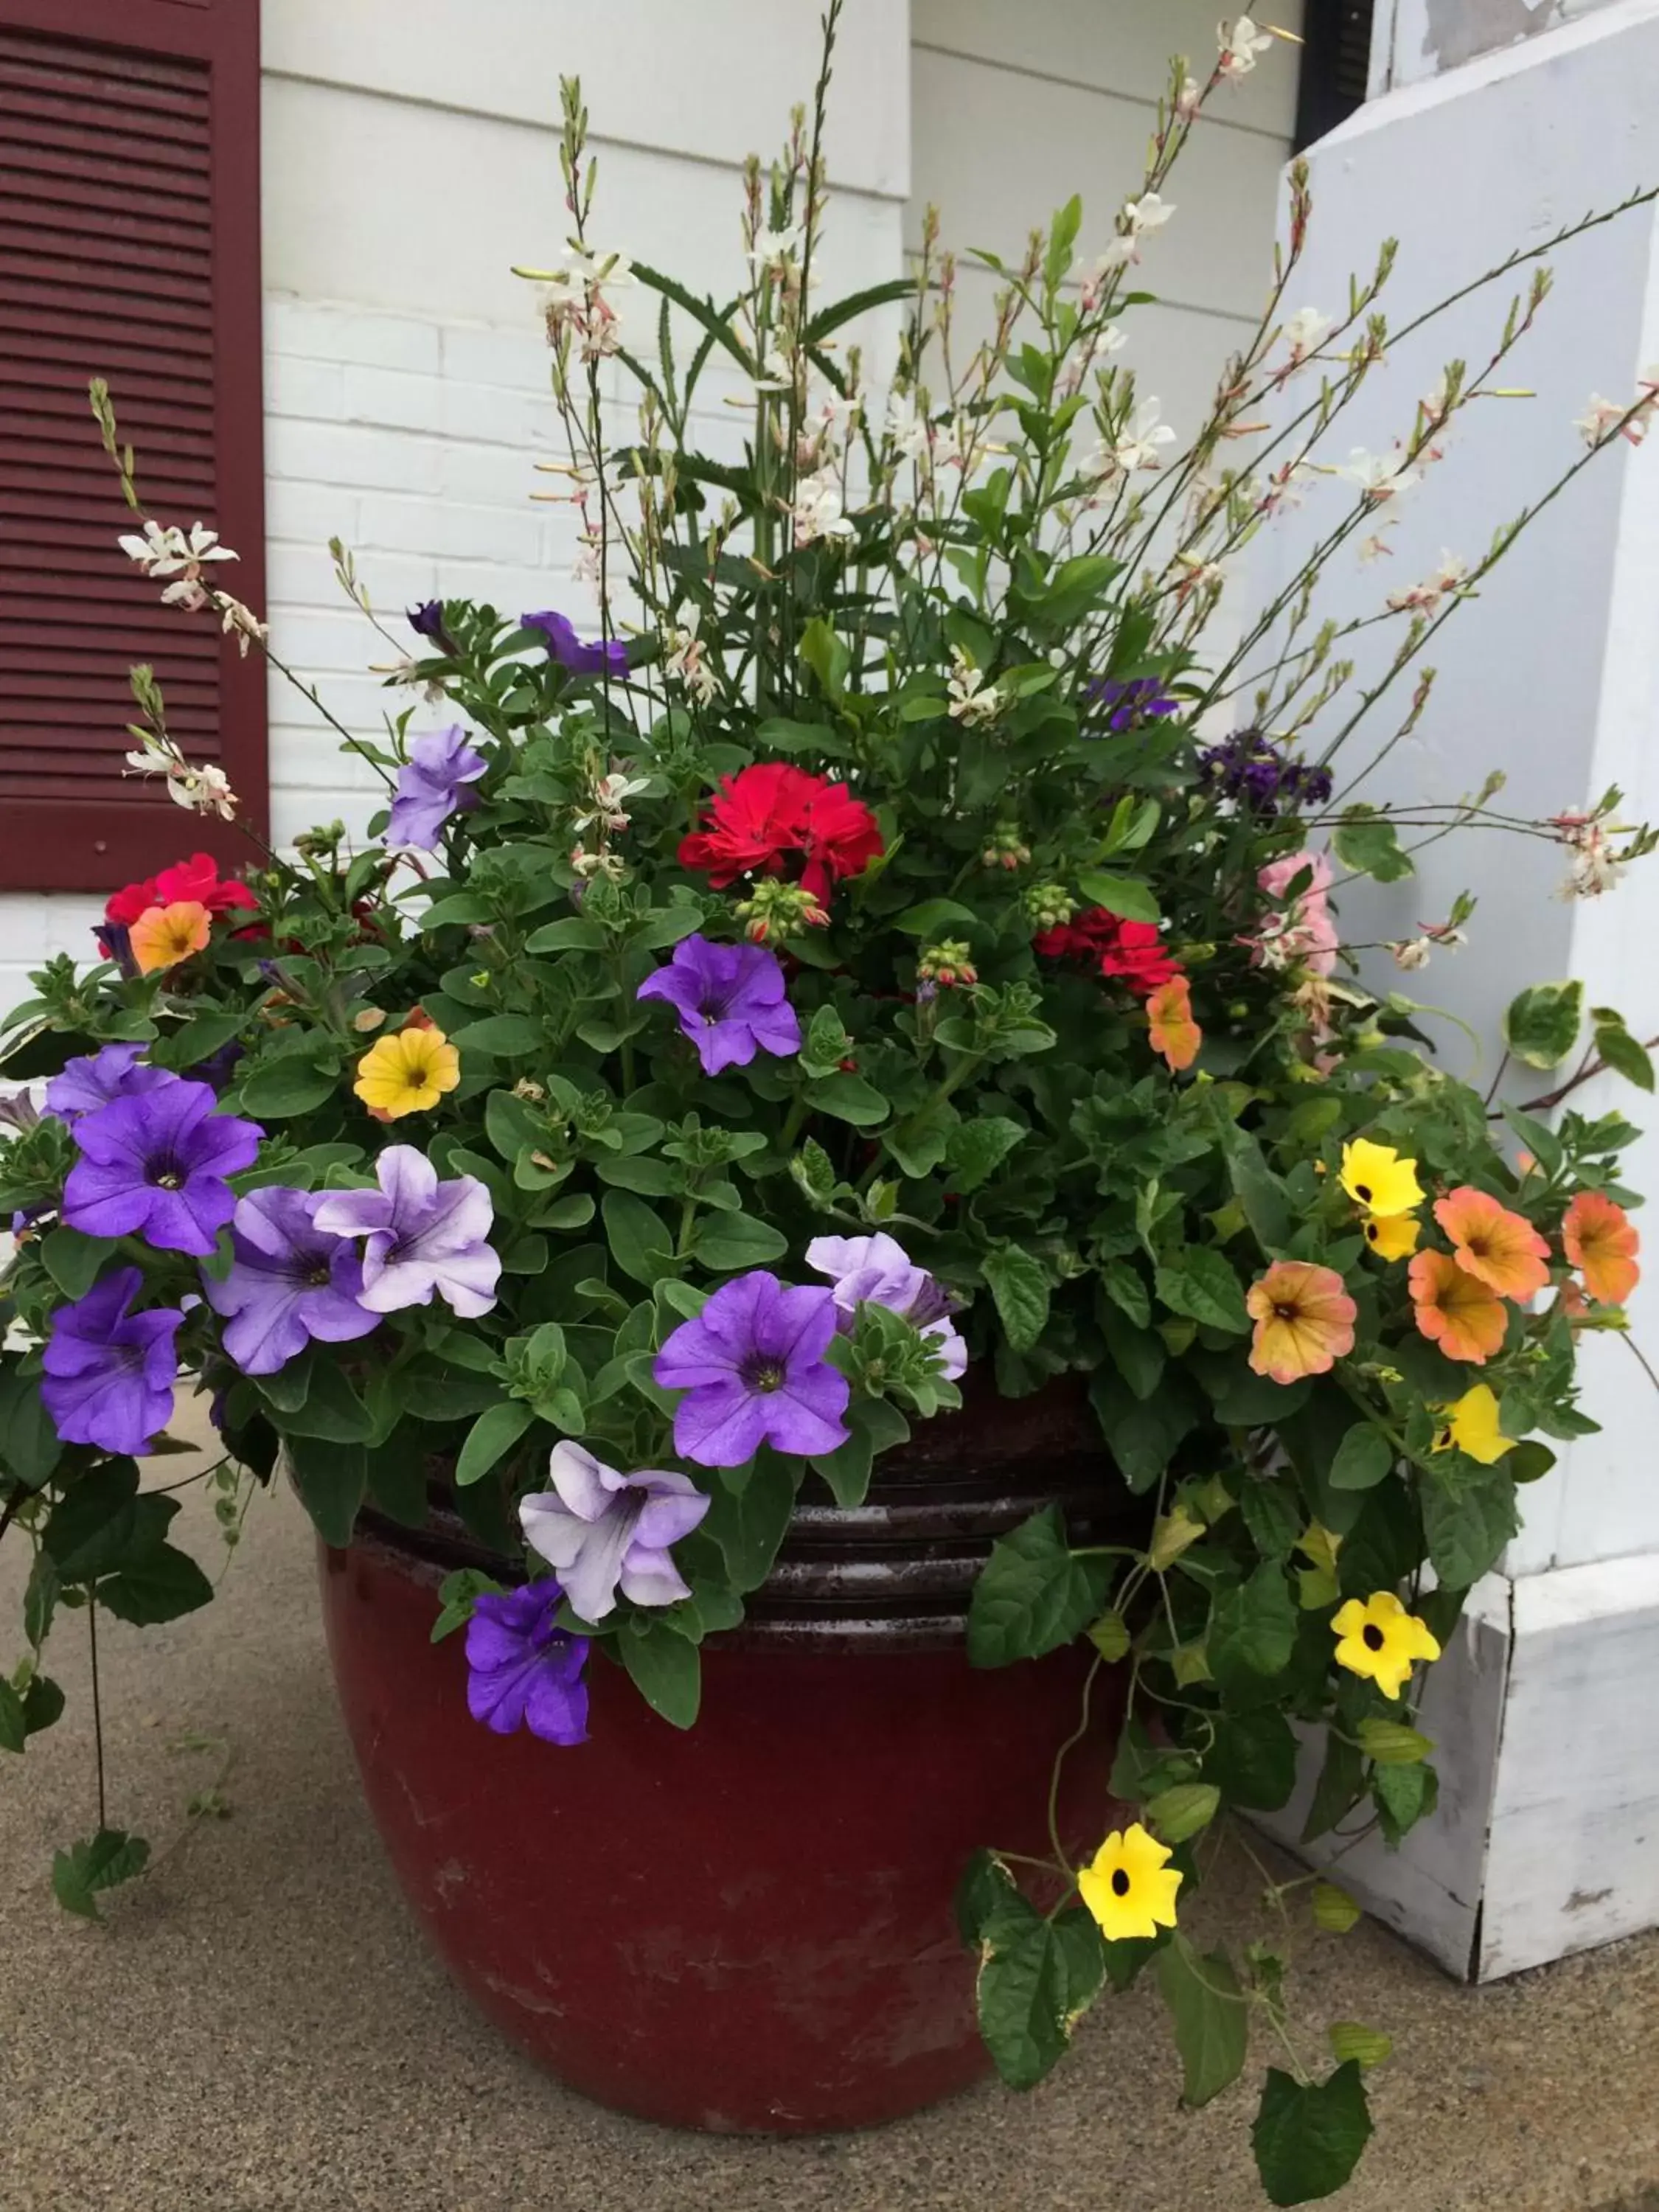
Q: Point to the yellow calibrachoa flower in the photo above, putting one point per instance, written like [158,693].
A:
[1380,1640]
[1128,1887]
[1392,1235]
[1472,1424]
[1375,1177]
[407,1073]
[162,936]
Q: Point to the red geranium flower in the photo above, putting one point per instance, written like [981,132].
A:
[195,881]
[1133,952]
[771,810]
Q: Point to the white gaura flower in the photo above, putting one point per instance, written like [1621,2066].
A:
[904,429]
[170,552]
[1594,867]
[239,621]
[777,371]
[202,790]
[1136,446]
[1189,98]
[1303,333]
[1411,953]
[573,297]
[610,795]
[1240,47]
[819,510]
[1599,420]
[773,249]
[1379,476]
[1149,212]
[1604,417]
[1425,597]
[973,701]
[683,659]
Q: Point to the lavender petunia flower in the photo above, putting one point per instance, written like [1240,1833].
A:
[879,1269]
[1138,699]
[601,1529]
[427,621]
[523,1670]
[604,656]
[751,1365]
[423,1235]
[110,1372]
[154,1166]
[434,783]
[730,1001]
[115,1070]
[288,1282]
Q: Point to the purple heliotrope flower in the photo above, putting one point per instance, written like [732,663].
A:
[427,621]
[523,1670]
[1138,699]
[602,1530]
[289,1281]
[878,1269]
[604,656]
[110,1372]
[422,1235]
[1261,777]
[154,1166]
[730,1001]
[115,1070]
[751,1365]
[433,783]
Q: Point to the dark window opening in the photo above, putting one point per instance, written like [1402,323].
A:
[1336,57]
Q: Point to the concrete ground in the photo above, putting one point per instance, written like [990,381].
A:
[257,2024]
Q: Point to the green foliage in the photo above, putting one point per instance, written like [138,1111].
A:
[1308,2135]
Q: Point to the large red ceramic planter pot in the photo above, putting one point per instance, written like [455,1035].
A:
[747,1926]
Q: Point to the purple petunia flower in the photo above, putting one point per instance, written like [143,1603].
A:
[432,784]
[423,1235]
[289,1281]
[523,1670]
[114,941]
[1260,777]
[154,1166]
[110,1372]
[604,656]
[1139,699]
[427,621]
[751,1365]
[601,1529]
[730,1001]
[878,1269]
[115,1070]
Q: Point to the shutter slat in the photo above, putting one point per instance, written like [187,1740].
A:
[128,207]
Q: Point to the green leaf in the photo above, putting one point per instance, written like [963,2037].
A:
[1333,1910]
[874,1425]
[933,917]
[163,1584]
[1403,1795]
[1363,1458]
[1253,1631]
[1125,1287]
[1210,2014]
[29,1448]
[1391,1743]
[502,1036]
[848,1098]
[1253,1760]
[1340,1785]
[1371,846]
[457,1595]
[1466,1529]
[110,1857]
[100,1522]
[40,1595]
[331,1479]
[1024,1994]
[727,1242]
[1183,1811]
[493,1434]
[1272,1515]
[13,1730]
[748,1516]
[43,1704]
[1626,1054]
[331,1408]
[831,318]
[985,1888]
[1366,2046]
[1032,1596]
[1541,1025]
[293,1083]
[197,1038]
[1308,2139]
[1019,1287]
[1198,1282]
[1111,1637]
[73,1261]
[573,934]
[640,1243]
[665,1669]
[1127,896]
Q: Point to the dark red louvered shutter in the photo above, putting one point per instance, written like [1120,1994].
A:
[129,250]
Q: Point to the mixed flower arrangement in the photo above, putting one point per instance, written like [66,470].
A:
[869,964]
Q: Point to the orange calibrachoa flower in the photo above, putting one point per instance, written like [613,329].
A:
[1303,1320]
[1500,1249]
[1598,1237]
[165,935]
[1454,1308]
[1174,1031]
